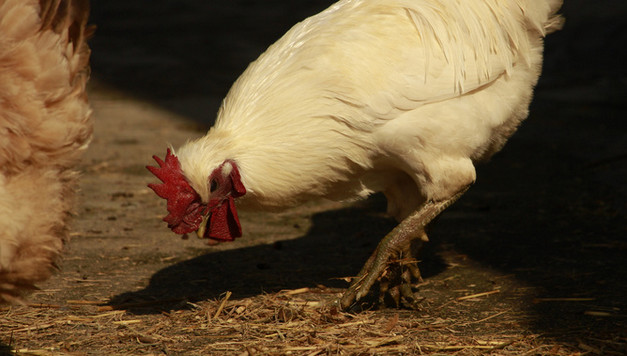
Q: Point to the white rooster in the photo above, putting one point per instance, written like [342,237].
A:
[45,125]
[397,96]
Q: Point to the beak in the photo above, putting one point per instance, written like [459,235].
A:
[203,226]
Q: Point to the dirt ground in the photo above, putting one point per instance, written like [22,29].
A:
[531,261]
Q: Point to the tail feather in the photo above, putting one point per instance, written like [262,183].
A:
[555,21]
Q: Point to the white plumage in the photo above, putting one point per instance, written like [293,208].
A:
[398,96]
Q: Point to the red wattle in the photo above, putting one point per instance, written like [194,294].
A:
[224,223]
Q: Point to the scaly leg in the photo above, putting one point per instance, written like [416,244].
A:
[396,245]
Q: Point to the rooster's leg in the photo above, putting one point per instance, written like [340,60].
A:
[395,247]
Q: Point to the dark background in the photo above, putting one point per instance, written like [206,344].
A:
[200,47]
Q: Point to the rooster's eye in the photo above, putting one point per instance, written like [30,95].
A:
[214,186]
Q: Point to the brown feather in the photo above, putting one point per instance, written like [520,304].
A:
[45,125]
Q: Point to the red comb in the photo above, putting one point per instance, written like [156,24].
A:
[184,205]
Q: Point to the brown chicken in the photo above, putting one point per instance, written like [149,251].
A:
[45,126]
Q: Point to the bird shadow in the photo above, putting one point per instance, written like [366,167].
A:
[336,246]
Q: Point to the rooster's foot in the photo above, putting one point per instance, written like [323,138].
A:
[394,248]
[391,264]
[397,284]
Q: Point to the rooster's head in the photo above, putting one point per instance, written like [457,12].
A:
[215,218]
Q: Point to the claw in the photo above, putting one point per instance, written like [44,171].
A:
[394,269]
